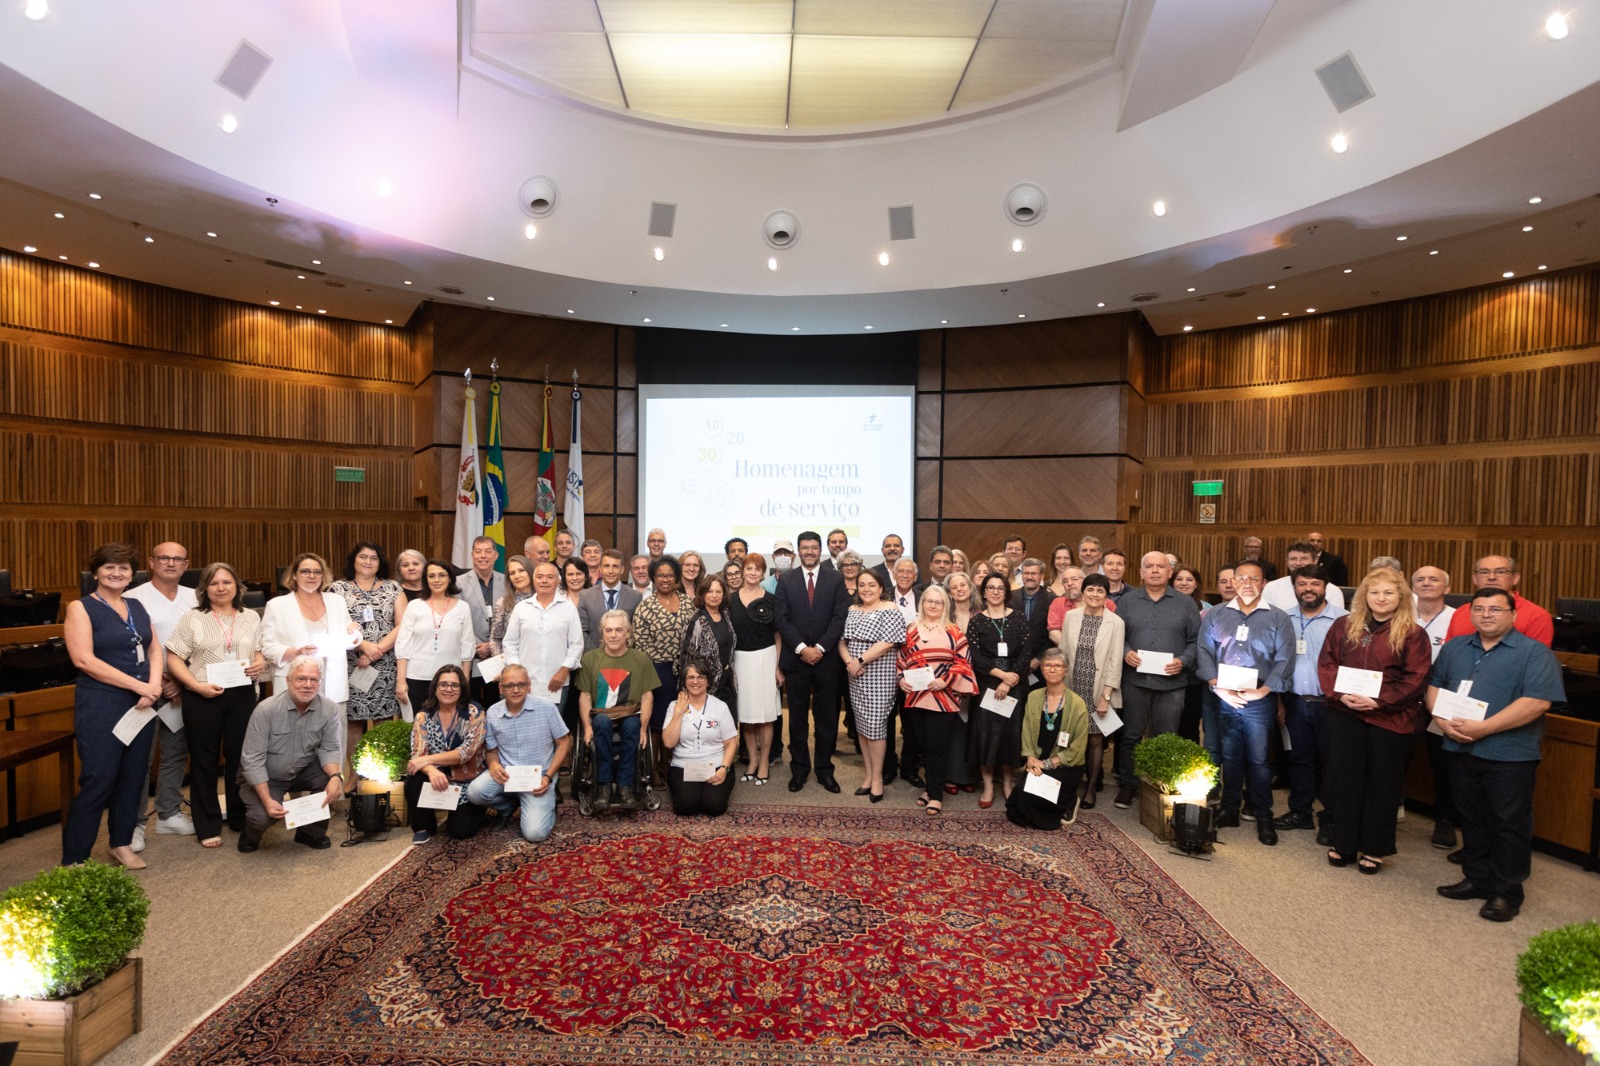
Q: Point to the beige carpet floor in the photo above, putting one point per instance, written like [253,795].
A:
[1411,979]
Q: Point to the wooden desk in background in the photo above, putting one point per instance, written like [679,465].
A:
[37,792]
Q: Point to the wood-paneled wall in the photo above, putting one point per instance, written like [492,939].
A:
[1034,430]
[1435,430]
[131,412]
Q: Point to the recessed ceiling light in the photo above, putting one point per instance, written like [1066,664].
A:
[1283,314]
[660,253]
[302,277]
[384,188]
[722,325]
[944,322]
[1340,143]
[60,215]
[1016,244]
[94,266]
[1536,199]
[299,307]
[1555,27]
[1022,316]
[489,298]
[570,311]
[30,249]
[1191,288]
[36,9]
[1527,229]
[530,231]
[149,240]
[408,283]
[388,321]
[1402,237]
[1504,274]
[883,259]
[772,264]
[1188,329]
[1261,318]
[1349,270]
[647,320]
[1159,207]
[1272,286]
[62,258]
[1102,303]
[1311,310]
[316,262]
[96,196]
[794,329]
[229,124]
[274,303]
[209,233]
[322,311]
[1434,252]
[1542,266]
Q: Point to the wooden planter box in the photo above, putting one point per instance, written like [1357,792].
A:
[79,1030]
[1538,1046]
[1155,811]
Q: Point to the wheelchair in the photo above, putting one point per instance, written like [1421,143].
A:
[586,779]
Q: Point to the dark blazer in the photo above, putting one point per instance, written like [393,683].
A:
[892,594]
[820,622]
[592,605]
[1038,626]
[882,570]
[1338,571]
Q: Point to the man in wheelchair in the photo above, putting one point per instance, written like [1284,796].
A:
[615,682]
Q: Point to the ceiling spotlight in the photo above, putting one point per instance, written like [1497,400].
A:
[96,196]
[1505,274]
[1340,143]
[299,307]
[274,303]
[1349,270]
[36,9]
[1434,252]
[944,322]
[1542,266]
[647,320]
[1016,244]
[1022,316]
[883,259]
[210,234]
[384,188]
[570,311]
[866,327]
[1311,310]
[1555,27]
[322,311]
[1402,237]
[1283,314]
[1261,318]
[1102,303]
[1272,286]
[489,298]
[149,240]
[94,266]
[1527,229]
[772,263]
[62,258]
[1536,199]
[228,123]
[408,283]
[794,329]
[1191,288]
[30,249]
[60,215]
[1188,329]
[660,253]
[388,321]
[316,262]
[302,277]
[530,231]
[1159,207]
[722,325]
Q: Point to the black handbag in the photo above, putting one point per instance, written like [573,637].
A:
[28,667]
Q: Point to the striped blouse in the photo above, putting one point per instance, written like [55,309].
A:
[203,637]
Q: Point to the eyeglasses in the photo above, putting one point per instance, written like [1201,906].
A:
[303,572]
[448,684]
[169,558]
[509,685]
[1490,610]
[1499,571]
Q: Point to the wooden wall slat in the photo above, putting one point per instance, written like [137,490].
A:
[525,345]
[1068,351]
[1072,490]
[929,419]
[1043,421]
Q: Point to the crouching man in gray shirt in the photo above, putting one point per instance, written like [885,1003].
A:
[291,745]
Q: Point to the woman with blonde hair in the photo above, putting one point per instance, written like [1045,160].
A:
[959,563]
[933,644]
[1370,738]
[291,626]
[691,568]
[1060,563]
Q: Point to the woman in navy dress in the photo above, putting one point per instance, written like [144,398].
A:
[116,652]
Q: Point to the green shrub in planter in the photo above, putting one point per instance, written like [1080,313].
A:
[1559,977]
[68,928]
[383,751]
[1175,764]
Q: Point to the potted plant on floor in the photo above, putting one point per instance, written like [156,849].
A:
[380,759]
[1171,770]
[68,990]
[1559,981]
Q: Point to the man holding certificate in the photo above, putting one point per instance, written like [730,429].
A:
[527,744]
[292,745]
[1489,692]
[1164,626]
[1247,656]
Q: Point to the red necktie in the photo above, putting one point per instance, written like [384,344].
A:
[811,588]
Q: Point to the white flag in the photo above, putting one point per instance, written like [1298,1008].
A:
[574,508]
[468,488]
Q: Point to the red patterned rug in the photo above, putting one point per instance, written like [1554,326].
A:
[775,934]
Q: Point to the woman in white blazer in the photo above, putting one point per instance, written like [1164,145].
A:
[1091,639]
[291,625]
[434,632]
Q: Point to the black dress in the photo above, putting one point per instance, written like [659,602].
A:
[1035,812]
[996,741]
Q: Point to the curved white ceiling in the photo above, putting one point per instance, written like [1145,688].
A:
[1212,108]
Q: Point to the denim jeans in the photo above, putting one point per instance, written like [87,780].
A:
[1307,720]
[538,812]
[1247,749]
[627,768]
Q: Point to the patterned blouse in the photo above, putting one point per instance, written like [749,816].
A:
[427,738]
[659,633]
[201,638]
[948,658]
[502,618]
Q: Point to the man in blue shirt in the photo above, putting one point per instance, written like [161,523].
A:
[1493,760]
[523,730]
[1247,634]
[1304,711]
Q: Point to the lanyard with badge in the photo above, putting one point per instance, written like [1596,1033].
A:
[1300,645]
[1002,650]
[138,644]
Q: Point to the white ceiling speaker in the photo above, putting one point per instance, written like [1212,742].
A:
[537,197]
[1025,203]
[781,229]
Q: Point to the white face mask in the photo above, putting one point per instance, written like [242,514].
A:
[780,563]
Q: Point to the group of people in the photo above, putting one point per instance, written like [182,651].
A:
[995,672]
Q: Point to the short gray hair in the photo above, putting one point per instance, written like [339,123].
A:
[304,660]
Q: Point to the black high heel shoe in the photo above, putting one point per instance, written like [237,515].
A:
[875,797]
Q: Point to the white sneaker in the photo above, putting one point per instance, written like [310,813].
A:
[138,839]
[179,824]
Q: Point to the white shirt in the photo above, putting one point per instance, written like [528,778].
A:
[164,613]
[429,640]
[1437,628]
[703,732]
[907,602]
[544,639]
[1279,593]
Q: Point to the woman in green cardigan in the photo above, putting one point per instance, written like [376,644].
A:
[1055,727]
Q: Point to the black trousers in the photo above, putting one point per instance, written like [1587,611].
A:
[1365,780]
[813,693]
[909,761]
[697,797]
[215,728]
[1495,800]
[460,823]
[1444,794]
[930,731]
[309,778]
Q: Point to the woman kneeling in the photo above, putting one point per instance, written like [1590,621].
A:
[1053,741]
[703,737]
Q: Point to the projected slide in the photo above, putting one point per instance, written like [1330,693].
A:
[764,462]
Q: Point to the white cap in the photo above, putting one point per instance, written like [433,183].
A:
[783,546]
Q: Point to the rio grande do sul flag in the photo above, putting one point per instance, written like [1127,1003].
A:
[544,504]
[468,488]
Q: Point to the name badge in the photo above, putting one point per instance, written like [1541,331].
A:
[488,611]
[1300,646]
[1002,650]
[366,615]
[1465,688]
[1242,633]
[138,653]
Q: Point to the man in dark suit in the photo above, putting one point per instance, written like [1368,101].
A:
[893,549]
[1338,570]
[1032,600]
[610,593]
[812,605]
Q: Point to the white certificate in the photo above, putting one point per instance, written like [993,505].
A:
[431,799]
[1109,722]
[130,725]
[171,716]
[699,769]
[229,673]
[523,778]
[362,678]
[1454,705]
[305,810]
[1001,706]
[1042,785]
[1238,678]
[1153,662]
[490,668]
[331,648]
[1366,683]
[920,678]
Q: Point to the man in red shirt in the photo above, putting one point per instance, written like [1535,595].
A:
[1500,571]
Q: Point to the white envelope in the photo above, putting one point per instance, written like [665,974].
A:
[305,810]
[431,799]
[1001,706]
[1042,785]
[362,678]
[1153,662]
[1454,705]
[228,673]
[171,715]
[331,648]
[523,778]
[1238,678]
[1366,683]
[919,678]
[1109,722]
[131,724]
[699,770]
[490,668]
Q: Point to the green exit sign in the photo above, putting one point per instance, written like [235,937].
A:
[359,474]
[1208,488]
